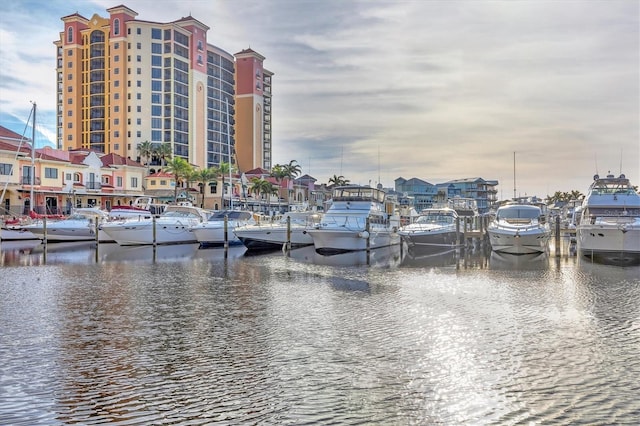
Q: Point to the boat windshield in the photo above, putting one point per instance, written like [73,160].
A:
[436,218]
[232,215]
[522,212]
[358,193]
[612,211]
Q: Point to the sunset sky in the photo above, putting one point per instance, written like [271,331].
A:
[376,90]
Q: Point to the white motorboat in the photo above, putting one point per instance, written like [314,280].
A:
[141,206]
[81,225]
[213,231]
[14,230]
[360,218]
[436,229]
[519,229]
[609,226]
[266,234]
[174,226]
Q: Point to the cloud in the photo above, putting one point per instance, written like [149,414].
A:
[437,90]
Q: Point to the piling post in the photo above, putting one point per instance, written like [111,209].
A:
[44,230]
[557,236]
[458,232]
[368,229]
[153,222]
[226,232]
[288,234]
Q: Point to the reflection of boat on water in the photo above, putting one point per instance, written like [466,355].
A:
[609,228]
[116,253]
[442,258]
[523,262]
[381,257]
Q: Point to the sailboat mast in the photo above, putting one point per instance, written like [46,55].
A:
[33,159]
[226,100]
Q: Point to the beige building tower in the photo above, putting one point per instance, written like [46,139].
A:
[253,112]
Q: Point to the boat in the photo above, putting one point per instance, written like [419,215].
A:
[173,226]
[14,230]
[519,229]
[359,218]
[435,230]
[214,233]
[609,226]
[141,206]
[79,226]
[266,234]
[464,207]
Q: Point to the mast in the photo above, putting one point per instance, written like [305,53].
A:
[33,158]
[514,175]
[226,100]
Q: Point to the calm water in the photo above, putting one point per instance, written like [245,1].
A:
[192,336]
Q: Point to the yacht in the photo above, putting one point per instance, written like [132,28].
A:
[434,230]
[267,234]
[609,226]
[79,226]
[519,229]
[360,218]
[213,231]
[173,226]
[141,206]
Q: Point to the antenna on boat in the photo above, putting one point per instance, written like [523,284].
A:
[595,157]
[379,164]
[33,158]
[620,161]
[514,174]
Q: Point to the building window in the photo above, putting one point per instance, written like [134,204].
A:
[69,125]
[163,182]
[116,108]
[70,35]
[153,182]
[139,46]
[116,96]
[134,182]
[139,31]
[116,83]
[116,134]
[50,173]
[116,58]
[67,177]
[156,33]
[116,45]
[139,58]
[116,121]
[69,89]
[116,27]
[139,96]
[69,101]
[138,121]
[139,83]
[139,134]
[116,146]
[116,71]
[119,181]
[70,113]
[5,169]
[69,64]
[69,76]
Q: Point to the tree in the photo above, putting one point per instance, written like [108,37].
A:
[180,169]
[261,186]
[204,176]
[163,153]
[279,172]
[292,169]
[338,181]
[145,150]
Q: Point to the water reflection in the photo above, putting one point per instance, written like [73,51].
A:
[386,257]
[510,262]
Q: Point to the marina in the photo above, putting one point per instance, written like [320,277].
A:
[177,334]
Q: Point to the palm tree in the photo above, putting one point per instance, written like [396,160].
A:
[261,186]
[145,150]
[338,181]
[279,172]
[292,170]
[163,152]
[204,176]
[180,169]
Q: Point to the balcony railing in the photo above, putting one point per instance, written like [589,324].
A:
[26,180]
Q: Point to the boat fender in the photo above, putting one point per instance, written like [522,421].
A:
[363,234]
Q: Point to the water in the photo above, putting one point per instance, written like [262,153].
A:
[192,336]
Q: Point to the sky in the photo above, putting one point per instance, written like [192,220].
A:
[539,95]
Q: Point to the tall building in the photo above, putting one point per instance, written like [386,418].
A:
[253,111]
[124,81]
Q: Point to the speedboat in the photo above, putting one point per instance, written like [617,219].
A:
[266,234]
[609,226]
[433,231]
[359,218]
[212,232]
[173,226]
[81,225]
[519,229]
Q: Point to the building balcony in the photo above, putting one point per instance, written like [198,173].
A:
[26,180]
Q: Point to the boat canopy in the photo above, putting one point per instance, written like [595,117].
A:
[518,212]
[358,193]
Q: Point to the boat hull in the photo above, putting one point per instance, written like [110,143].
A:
[16,234]
[612,242]
[430,241]
[330,241]
[133,232]
[272,238]
[514,241]
[214,235]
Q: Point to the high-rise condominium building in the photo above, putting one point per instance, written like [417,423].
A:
[123,81]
